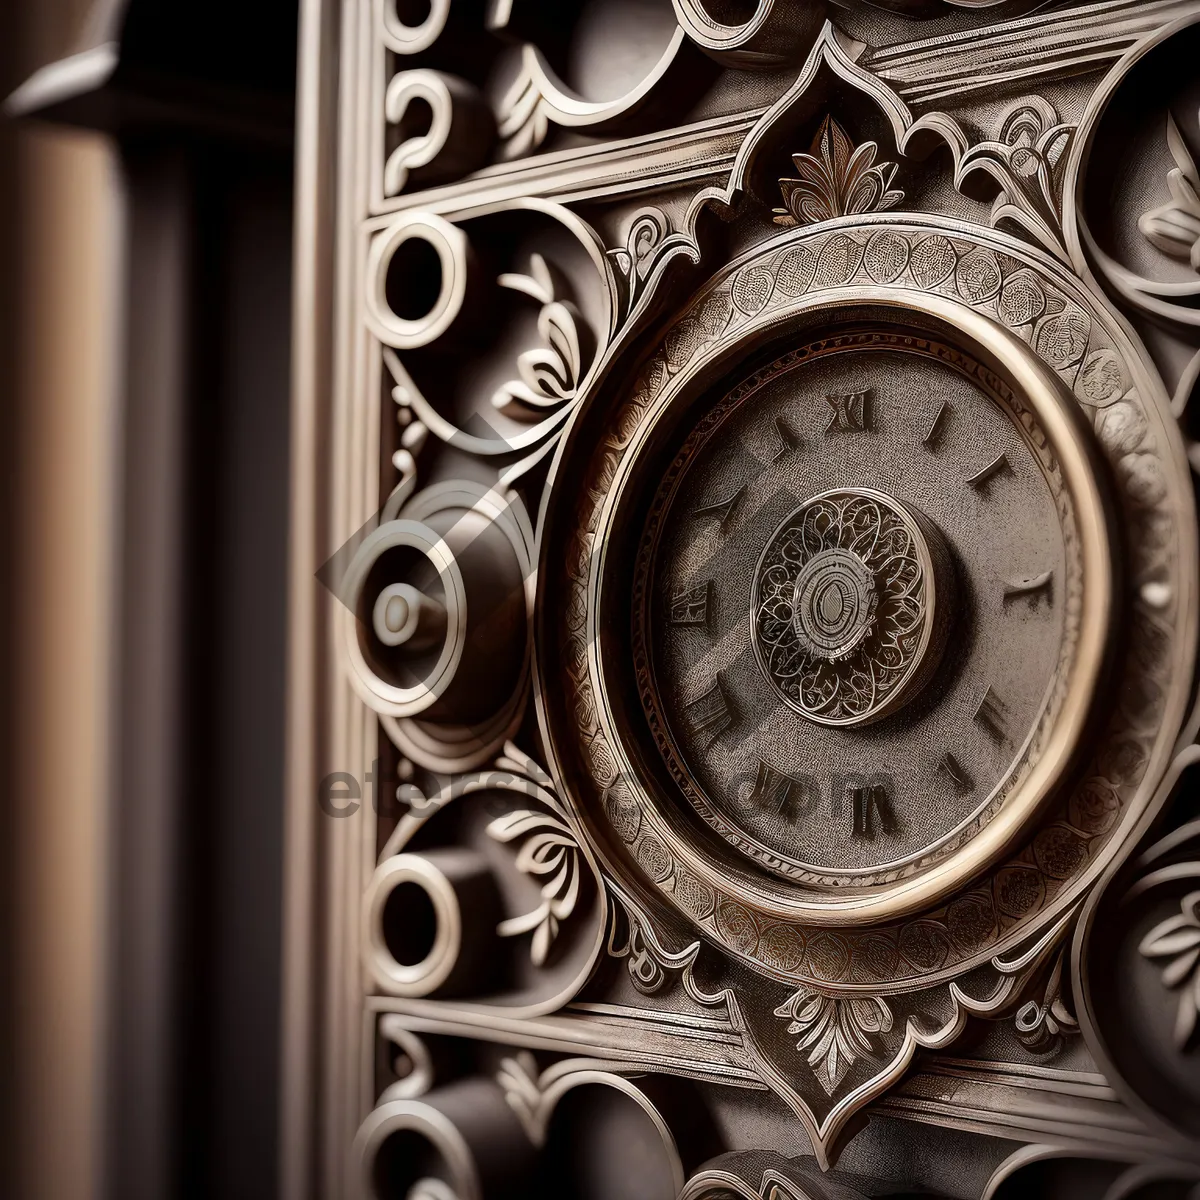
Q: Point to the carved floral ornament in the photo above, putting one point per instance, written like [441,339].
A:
[835,179]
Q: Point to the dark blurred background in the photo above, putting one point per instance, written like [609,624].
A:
[145,262]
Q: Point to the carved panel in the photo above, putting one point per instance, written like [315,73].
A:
[764,575]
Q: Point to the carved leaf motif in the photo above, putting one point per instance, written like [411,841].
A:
[1174,228]
[835,180]
[550,851]
[835,1032]
[1177,939]
[548,375]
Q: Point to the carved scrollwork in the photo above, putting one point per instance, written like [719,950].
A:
[1027,161]
[549,375]
[527,413]
[1043,1023]
[651,965]
[1143,100]
[407,38]
[759,1175]
[769,33]
[460,133]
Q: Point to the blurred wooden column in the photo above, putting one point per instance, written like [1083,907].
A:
[67,285]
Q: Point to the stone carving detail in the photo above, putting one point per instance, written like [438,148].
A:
[835,1032]
[1175,944]
[1174,228]
[836,179]
[842,605]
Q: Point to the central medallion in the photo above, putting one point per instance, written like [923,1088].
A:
[846,597]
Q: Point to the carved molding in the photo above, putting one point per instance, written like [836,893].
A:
[538,283]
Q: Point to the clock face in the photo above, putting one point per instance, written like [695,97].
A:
[854,607]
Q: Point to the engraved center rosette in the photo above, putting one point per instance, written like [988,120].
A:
[848,594]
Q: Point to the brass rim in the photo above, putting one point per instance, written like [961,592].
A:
[1057,414]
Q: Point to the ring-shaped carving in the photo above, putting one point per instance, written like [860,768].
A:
[572,1078]
[1171,301]
[450,748]
[416,1116]
[450,244]
[410,39]
[1083,826]
[419,978]
[848,594]
[388,698]
[1037,387]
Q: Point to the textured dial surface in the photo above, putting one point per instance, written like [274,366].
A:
[856,608]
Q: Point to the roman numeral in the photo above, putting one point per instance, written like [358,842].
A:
[1035,588]
[999,463]
[991,714]
[708,716]
[953,770]
[776,792]
[872,807]
[851,412]
[933,436]
[690,607]
[789,440]
[723,509]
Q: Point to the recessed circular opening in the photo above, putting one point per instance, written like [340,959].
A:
[405,1157]
[602,1143]
[409,924]
[414,279]
[412,12]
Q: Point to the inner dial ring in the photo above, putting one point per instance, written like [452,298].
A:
[848,594]
[877,811]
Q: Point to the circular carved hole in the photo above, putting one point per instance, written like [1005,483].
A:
[412,12]
[409,924]
[414,279]
[601,1144]
[404,1158]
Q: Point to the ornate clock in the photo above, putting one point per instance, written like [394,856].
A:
[778,625]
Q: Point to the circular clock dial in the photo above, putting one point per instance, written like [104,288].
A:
[856,590]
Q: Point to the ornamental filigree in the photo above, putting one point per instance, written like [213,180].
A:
[844,604]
